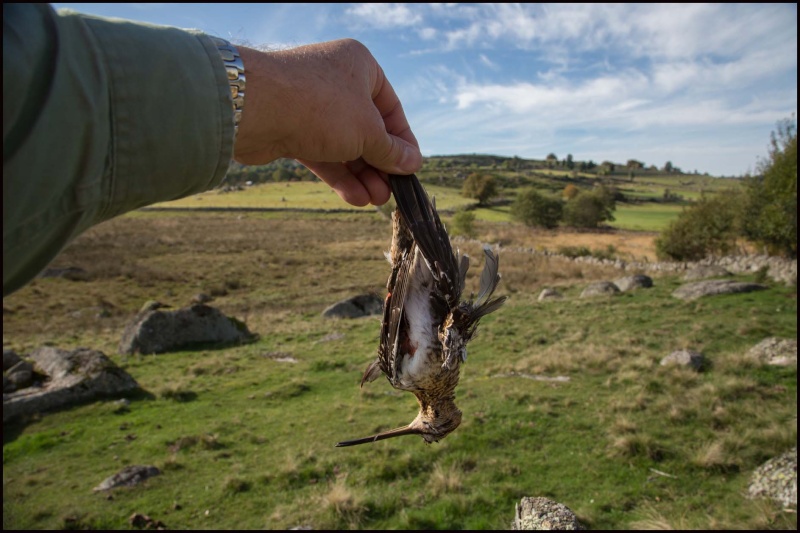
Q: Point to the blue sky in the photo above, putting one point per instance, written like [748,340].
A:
[700,85]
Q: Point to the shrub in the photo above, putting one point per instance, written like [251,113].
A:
[463,224]
[533,208]
[709,227]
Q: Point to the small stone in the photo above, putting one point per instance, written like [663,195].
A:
[600,288]
[355,307]
[637,281]
[689,358]
[549,294]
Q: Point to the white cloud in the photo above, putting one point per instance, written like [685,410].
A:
[667,31]
[384,15]
[483,58]
[427,33]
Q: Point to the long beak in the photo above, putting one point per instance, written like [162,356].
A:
[405,430]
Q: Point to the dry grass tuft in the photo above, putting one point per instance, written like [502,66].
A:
[653,520]
[446,479]
[637,445]
[622,426]
[344,503]
[716,456]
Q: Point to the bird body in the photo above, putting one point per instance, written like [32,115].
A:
[426,326]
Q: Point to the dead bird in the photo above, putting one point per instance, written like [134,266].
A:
[426,325]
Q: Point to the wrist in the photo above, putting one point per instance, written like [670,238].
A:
[258,141]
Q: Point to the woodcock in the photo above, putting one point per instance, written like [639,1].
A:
[426,326]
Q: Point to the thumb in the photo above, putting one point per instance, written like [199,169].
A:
[393,155]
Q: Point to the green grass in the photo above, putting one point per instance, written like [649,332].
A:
[314,195]
[246,441]
[636,217]
[645,217]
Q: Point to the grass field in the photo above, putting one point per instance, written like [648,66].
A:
[318,196]
[246,441]
[308,195]
[645,217]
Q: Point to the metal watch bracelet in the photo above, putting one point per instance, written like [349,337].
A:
[236,79]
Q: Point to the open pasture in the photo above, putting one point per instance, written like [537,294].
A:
[247,441]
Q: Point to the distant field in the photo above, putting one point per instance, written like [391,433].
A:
[634,217]
[299,195]
[645,217]
[318,196]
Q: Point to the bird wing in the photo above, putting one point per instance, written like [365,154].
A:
[388,351]
[429,234]
[484,303]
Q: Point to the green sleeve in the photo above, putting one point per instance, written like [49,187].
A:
[100,117]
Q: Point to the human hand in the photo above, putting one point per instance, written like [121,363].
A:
[330,107]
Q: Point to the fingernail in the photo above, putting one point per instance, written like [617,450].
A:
[411,160]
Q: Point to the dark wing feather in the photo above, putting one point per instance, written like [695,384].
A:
[393,318]
[429,233]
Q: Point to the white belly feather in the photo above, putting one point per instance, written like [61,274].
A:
[418,314]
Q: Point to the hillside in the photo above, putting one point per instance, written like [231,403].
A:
[647,198]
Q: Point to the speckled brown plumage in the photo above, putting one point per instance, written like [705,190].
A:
[426,325]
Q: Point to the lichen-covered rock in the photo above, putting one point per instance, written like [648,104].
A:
[698,289]
[775,351]
[777,480]
[156,330]
[544,514]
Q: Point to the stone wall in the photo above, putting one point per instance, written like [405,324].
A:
[778,269]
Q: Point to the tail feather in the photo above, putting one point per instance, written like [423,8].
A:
[489,277]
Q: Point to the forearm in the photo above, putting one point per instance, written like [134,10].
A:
[117,115]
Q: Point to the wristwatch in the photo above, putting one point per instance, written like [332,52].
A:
[236,79]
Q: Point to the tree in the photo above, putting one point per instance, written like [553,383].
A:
[551,160]
[633,164]
[668,166]
[769,214]
[481,187]
[568,162]
[283,174]
[607,167]
[533,208]
[590,209]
